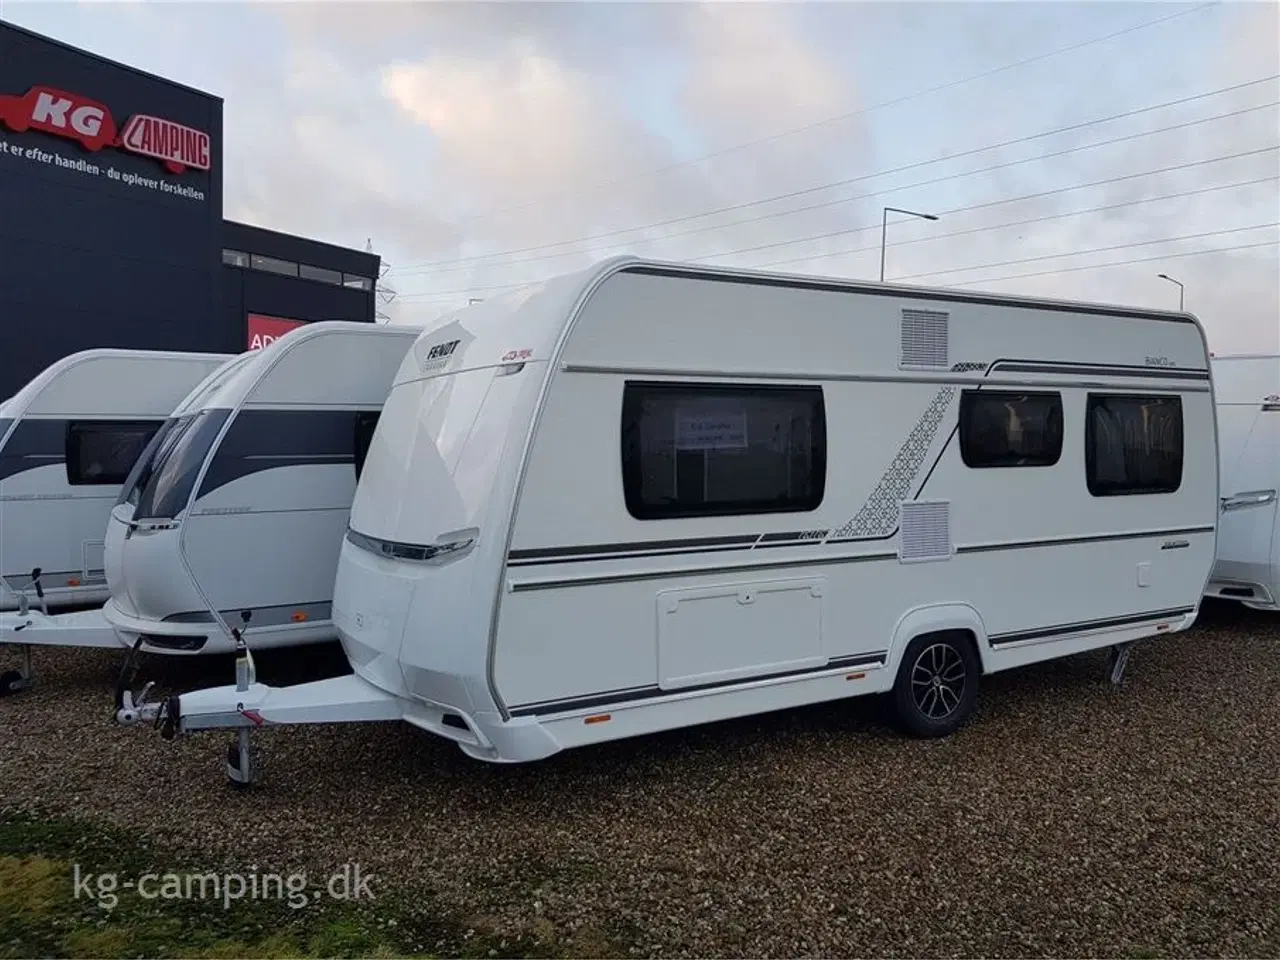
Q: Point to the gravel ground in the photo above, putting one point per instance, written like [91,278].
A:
[1068,819]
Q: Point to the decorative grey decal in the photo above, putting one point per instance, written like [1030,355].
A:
[967,366]
[879,515]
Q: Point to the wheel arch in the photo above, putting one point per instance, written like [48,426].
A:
[938,618]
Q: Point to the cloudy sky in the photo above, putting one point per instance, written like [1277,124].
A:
[1069,149]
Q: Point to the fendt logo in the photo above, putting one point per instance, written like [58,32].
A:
[90,124]
[441,350]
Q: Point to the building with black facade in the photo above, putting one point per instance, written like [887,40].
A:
[111,227]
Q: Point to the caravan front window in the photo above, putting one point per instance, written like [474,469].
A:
[693,450]
[172,471]
[143,467]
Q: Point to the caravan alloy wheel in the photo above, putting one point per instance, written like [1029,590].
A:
[937,685]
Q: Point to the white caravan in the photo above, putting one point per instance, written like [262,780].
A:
[241,503]
[1247,392]
[651,495]
[27,629]
[67,441]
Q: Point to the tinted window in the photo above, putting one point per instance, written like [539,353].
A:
[104,452]
[1010,429]
[366,423]
[273,265]
[177,461]
[704,450]
[140,474]
[308,272]
[1133,444]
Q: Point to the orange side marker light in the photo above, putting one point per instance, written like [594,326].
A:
[599,718]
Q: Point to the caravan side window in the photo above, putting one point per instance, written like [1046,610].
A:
[1133,444]
[1010,428]
[695,450]
[366,423]
[104,451]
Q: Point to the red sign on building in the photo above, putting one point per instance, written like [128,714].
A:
[90,124]
[264,331]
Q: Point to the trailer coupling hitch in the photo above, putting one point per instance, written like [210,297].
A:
[131,711]
[161,714]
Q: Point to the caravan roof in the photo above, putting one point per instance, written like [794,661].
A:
[116,382]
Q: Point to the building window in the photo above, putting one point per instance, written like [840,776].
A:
[356,283]
[102,452]
[308,272]
[1010,429]
[694,450]
[236,258]
[1133,444]
[272,265]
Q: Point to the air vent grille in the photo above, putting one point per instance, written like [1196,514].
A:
[926,530]
[924,339]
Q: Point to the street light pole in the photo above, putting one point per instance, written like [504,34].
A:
[884,226]
[1181,289]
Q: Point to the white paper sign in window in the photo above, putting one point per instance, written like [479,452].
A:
[711,431]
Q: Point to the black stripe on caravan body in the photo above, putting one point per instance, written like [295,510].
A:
[266,439]
[33,444]
[773,562]
[907,293]
[651,691]
[1096,538]
[1103,370]
[662,548]
[1082,626]
[640,548]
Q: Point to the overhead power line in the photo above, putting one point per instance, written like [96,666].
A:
[1119,263]
[450,266]
[896,101]
[1039,195]
[929,238]
[1081,253]
[988,228]
[969,269]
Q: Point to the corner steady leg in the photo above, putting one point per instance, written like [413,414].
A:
[14,681]
[1119,660]
[239,763]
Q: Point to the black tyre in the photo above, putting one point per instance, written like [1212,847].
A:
[10,682]
[937,686]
